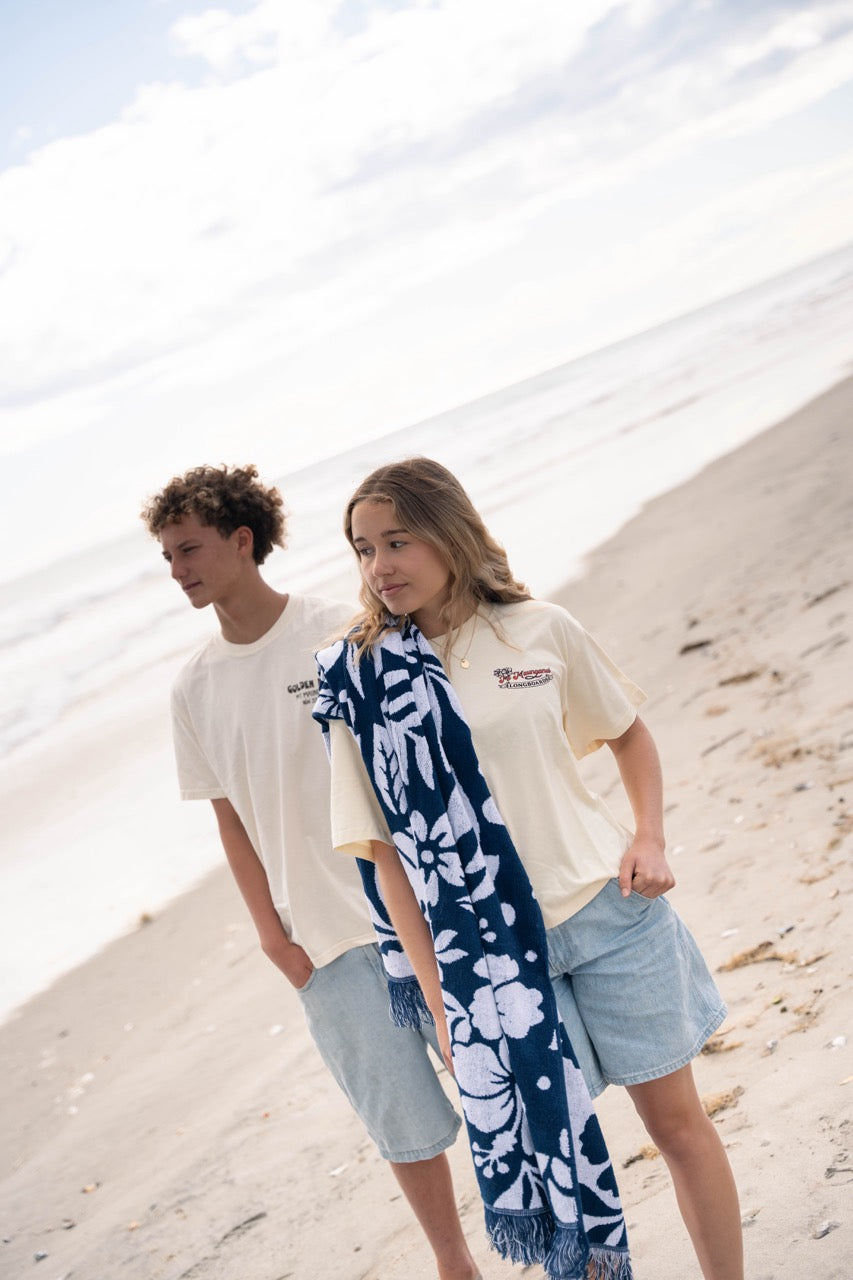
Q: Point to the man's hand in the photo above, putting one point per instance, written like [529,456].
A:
[290,958]
[252,882]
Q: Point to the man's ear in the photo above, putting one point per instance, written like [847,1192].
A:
[245,539]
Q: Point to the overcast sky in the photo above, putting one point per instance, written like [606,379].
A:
[264,230]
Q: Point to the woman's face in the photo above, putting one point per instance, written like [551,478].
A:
[406,573]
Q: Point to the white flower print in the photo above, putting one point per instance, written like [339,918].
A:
[504,1006]
[487,1086]
[437,852]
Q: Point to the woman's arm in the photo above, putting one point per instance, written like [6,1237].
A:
[644,867]
[413,932]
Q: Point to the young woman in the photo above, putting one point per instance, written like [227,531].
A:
[457,708]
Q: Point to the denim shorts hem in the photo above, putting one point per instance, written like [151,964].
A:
[596,1087]
[643,1077]
[425,1153]
[389,1074]
[634,993]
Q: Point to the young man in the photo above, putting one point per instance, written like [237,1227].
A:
[245,740]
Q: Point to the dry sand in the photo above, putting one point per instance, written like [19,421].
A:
[165,1115]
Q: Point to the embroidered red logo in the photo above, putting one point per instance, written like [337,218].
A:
[528,678]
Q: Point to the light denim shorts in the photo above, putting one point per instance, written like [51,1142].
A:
[385,1071]
[633,991]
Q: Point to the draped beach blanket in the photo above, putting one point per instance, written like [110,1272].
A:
[544,1174]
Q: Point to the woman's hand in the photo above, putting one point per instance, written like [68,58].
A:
[644,867]
[645,870]
[413,932]
[443,1035]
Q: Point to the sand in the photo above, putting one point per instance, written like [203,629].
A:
[166,1116]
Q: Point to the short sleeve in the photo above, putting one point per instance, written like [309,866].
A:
[599,701]
[196,778]
[356,816]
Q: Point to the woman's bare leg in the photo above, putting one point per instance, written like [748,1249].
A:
[672,1112]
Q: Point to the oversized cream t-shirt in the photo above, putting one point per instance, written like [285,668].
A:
[243,730]
[536,701]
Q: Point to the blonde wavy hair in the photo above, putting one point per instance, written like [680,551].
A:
[431,504]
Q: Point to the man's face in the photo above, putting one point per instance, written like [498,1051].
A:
[206,566]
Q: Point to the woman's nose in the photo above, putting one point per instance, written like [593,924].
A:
[381,566]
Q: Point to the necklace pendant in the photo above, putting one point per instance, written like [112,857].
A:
[463,662]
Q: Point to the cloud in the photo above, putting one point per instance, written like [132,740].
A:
[232,43]
[336,163]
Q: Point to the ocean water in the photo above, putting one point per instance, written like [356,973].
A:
[95,834]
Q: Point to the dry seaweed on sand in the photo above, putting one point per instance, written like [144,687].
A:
[714,1103]
[647,1152]
[718,1043]
[758,954]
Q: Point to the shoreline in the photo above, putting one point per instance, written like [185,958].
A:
[728,598]
[67,833]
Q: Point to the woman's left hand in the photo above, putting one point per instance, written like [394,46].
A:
[645,869]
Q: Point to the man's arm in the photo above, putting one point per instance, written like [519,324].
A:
[413,931]
[252,882]
[644,866]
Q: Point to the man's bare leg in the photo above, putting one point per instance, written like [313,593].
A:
[428,1187]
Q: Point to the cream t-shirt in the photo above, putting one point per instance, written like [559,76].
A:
[538,694]
[243,731]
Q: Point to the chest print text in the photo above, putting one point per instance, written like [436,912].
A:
[305,691]
[528,678]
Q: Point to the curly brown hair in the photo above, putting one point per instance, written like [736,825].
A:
[225,498]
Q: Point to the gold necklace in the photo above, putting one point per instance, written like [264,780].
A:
[463,661]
